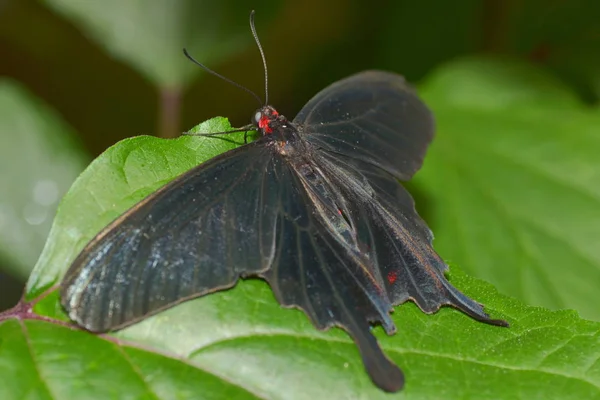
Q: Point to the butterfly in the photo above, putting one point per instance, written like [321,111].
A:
[313,206]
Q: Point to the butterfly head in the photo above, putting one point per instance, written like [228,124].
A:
[267,119]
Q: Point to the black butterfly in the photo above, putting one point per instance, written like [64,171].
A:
[313,207]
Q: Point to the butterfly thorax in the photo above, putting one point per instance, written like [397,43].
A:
[282,134]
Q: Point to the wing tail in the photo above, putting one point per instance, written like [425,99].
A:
[383,372]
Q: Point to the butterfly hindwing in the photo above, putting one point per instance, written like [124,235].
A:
[319,268]
[396,239]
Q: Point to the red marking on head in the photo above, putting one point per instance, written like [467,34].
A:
[339,211]
[263,124]
[391,277]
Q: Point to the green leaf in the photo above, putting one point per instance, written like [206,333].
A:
[240,344]
[513,181]
[149,35]
[39,160]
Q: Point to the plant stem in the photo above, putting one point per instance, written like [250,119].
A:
[169,110]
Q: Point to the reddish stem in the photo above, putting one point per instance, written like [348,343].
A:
[169,110]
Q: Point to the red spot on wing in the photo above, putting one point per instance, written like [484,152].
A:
[391,277]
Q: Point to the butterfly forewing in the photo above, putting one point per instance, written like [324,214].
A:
[372,116]
[195,235]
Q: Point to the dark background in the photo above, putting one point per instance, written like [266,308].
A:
[308,45]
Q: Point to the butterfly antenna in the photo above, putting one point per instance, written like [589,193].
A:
[210,71]
[262,55]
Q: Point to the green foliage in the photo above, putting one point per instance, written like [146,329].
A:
[242,344]
[562,36]
[149,35]
[39,151]
[513,181]
[509,187]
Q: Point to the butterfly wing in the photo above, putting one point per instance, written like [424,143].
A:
[196,235]
[398,240]
[319,268]
[244,213]
[369,130]
[362,250]
[372,116]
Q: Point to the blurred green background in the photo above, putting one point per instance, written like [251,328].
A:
[78,76]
